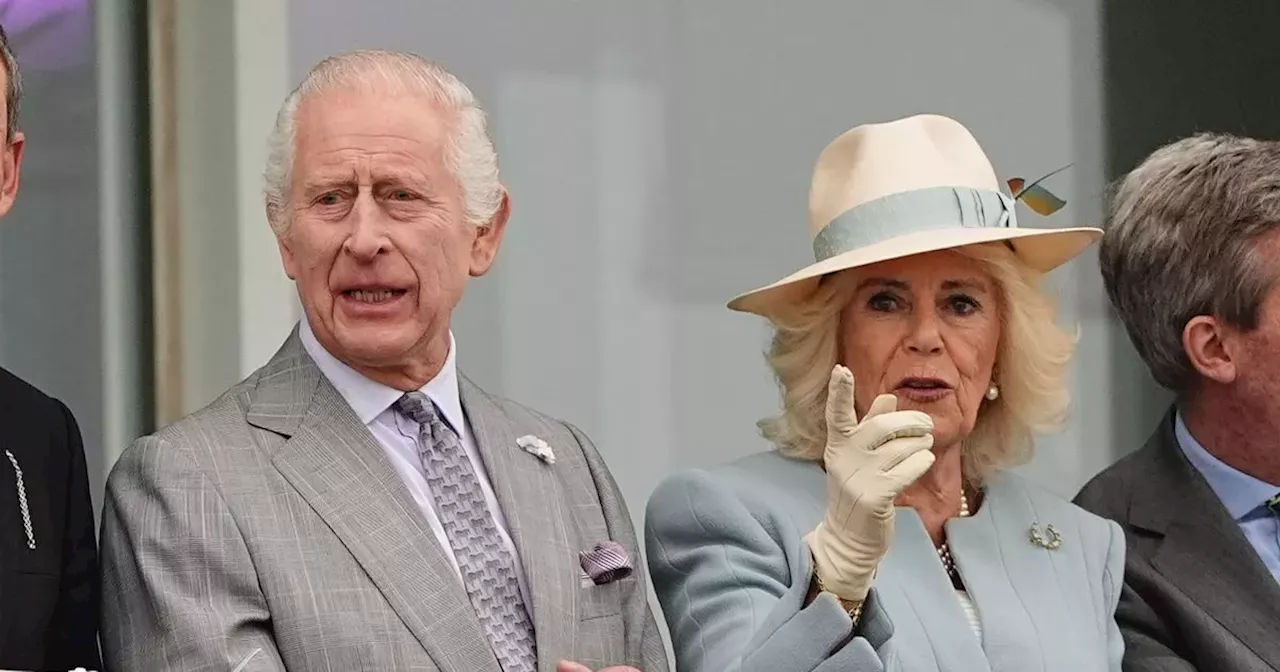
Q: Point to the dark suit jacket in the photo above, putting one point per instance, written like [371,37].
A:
[48,594]
[1196,596]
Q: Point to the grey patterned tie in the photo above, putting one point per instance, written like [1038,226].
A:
[488,569]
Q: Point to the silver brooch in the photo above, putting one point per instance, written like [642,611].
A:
[537,447]
[1050,539]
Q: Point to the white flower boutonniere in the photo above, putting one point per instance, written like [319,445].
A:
[537,447]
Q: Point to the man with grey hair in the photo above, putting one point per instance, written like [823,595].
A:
[358,504]
[1191,261]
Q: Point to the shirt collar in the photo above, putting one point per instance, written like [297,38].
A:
[1239,492]
[369,398]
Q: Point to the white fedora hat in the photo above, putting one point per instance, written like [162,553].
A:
[915,185]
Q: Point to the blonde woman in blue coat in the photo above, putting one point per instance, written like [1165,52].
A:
[917,359]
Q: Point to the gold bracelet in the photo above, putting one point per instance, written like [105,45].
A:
[853,609]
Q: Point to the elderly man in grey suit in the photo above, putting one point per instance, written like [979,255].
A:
[356,503]
[1191,260]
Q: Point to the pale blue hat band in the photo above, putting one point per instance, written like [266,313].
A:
[931,209]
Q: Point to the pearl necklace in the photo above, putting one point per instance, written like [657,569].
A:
[944,551]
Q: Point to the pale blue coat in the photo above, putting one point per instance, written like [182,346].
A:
[731,569]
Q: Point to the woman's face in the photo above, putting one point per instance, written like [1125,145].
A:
[925,329]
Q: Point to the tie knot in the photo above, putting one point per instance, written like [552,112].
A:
[1274,504]
[417,407]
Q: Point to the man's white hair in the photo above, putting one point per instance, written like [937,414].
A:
[469,152]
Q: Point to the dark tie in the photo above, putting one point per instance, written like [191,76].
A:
[488,568]
[1274,504]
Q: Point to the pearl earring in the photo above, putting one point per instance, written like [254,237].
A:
[993,392]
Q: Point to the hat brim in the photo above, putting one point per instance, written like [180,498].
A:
[1041,249]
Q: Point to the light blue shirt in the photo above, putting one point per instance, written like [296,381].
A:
[1244,497]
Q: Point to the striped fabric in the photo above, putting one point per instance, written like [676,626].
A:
[606,563]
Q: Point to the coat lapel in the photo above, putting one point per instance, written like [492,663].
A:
[911,580]
[1204,553]
[337,466]
[529,494]
[1022,592]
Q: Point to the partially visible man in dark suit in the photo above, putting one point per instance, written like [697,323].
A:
[1191,260]
[48,560]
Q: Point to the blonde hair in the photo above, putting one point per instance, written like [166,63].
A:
[1031,368]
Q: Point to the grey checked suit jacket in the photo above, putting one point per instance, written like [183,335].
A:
[270,526]
[730,566]
[1196,597]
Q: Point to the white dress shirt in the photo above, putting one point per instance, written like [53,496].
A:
[970,612]
[373,404]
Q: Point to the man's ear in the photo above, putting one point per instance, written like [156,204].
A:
[10,171]
[488,238]
[287,257]
[1211,347]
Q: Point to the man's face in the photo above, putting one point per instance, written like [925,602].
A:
[1258,350]
[378,244]
[11,157]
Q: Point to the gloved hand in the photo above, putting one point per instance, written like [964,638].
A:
[869,463]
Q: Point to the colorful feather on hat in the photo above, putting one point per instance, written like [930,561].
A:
[1040,200]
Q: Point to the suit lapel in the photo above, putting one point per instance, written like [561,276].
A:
[1214,565]
[337,466]
[529,494]
[1204,553]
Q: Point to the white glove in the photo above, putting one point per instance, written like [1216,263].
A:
[869,463]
